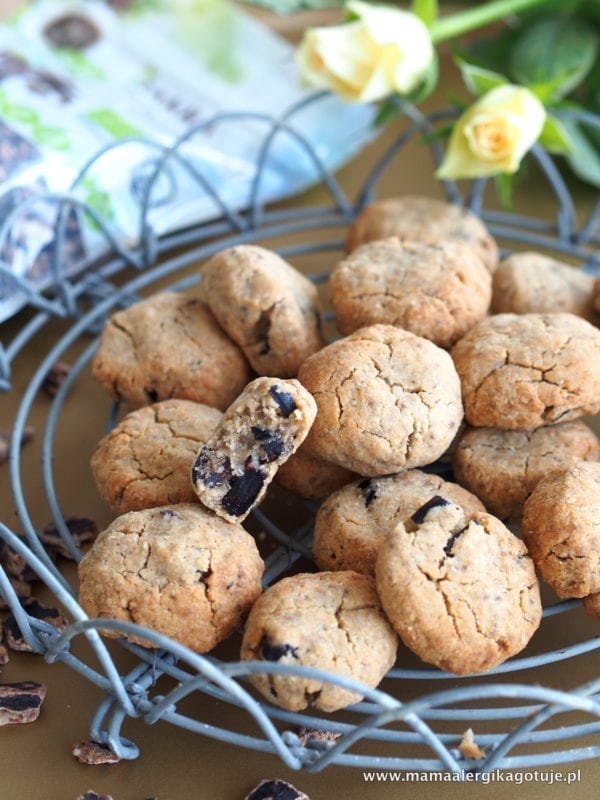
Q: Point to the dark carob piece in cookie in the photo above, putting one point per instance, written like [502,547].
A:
[459,589]
[269,308]
[519,372]
[258,432]
[387,400]
[352,523]
[20,702]
[421,219]
[328,620]
[145,461]
[562,532]
[169,345]
[276,790]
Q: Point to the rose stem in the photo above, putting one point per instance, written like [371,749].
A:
[464,21]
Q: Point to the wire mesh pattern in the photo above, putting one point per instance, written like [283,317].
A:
[383,731]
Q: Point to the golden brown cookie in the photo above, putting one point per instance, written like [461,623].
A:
[258,432]
[459,589]
[145,461]
[421,219]
[169,345]
[353,522]
[562,532]
[329,620]
[178,570]
[503,467]
[269,308]
[532,282]
[438,291]
[311,477]
[386,399]
[519,372]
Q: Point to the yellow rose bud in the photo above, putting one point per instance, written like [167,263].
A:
[493,135]
[382,51]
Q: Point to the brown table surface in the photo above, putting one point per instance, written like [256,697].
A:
[175,764]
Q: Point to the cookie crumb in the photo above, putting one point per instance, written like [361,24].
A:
[317,739]
[92,795]
[93,753]
[468,748]
[5,437]
[20,702]
[55,377]
[15,639]
[82,529]
[276,789]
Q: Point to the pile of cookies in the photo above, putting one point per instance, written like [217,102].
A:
[235,387]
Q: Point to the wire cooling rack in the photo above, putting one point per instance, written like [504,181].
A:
[408,724]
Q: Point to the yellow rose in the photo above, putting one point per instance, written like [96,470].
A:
[380,52]
[493,135]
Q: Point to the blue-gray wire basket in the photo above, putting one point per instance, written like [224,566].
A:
[410,725]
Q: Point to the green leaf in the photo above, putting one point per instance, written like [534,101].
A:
[388,110]
[442,133]
[426,10]
[504,189]
[479,80]
[584,157]
[550,92]
[554,136]
[557,49]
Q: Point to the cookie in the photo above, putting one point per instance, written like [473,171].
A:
[503,467]
[519,372]
[178,570]
[169,345]
[421,219]
[459,589]
[145,461]
[352,523]
[438,291]
[386,399]
[258,433]
[532,282]
[560,528]
[328,620]
[310,477]
[265,305]
[591,604]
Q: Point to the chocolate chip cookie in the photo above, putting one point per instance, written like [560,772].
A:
[169,345]
[386,399]
[310,477]
[265,305]
[503,467]
[421,219]
[179,570]
[145,461]
[258,433]
[519,372]
[438,291]
[352,523]
[459,589]
[329,620]
[561,530]
[531,282]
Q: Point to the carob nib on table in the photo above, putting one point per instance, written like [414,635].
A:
[20,702]
[258,433]
[276,790]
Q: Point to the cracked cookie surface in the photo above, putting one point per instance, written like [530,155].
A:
[438,291]
[178,570]
[352,523]
[145,461]
[258,432]
[386,399]
[265,305]
[169,345]
[503,467]
[561,527]
[519,372]
[328,620]
[421,219]
[460,590]
[532,282]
